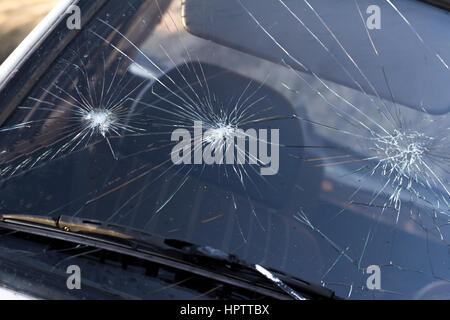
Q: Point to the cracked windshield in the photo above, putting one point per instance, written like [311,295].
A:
[299,135]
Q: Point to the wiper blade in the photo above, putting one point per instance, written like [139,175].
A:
[281,280]
[201,260]
[69,224]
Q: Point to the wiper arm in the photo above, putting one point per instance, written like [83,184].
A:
[201,260]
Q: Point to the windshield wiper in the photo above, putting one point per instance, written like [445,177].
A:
[200,260]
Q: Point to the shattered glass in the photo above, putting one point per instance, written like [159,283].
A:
[363,174]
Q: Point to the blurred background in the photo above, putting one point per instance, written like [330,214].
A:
[17,19]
